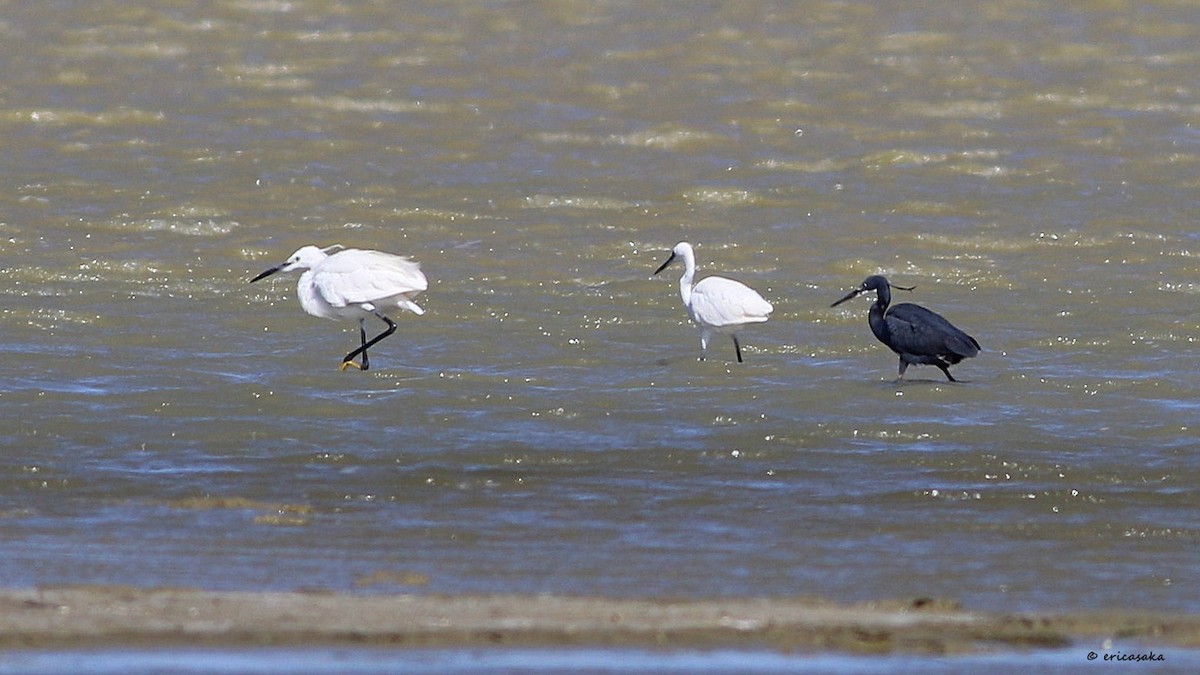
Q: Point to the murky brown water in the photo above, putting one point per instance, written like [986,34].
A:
[1032,167]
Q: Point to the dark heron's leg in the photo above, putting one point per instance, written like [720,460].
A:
[349,360]
[737,347]
[903,367]
[946,370]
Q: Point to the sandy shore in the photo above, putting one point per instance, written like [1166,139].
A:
[58,617]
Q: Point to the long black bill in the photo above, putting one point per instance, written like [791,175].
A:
[664,265]
[849,296]
[267,273]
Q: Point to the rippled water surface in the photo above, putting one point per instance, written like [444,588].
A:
[1031,167]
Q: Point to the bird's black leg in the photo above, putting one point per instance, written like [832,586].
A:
[946,370]
[903,367]
[362,336]
[737,347]
[349,360]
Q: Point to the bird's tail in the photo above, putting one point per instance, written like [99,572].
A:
[410,306]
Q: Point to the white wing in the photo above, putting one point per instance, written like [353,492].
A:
[718,301]
[354,277]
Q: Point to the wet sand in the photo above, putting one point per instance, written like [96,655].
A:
[121,617]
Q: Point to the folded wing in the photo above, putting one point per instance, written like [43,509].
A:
[718,301]
[919,331]
[354,277]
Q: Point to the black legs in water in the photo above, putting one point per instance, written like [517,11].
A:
[348,362]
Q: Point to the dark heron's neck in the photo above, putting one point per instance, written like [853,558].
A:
[883,298]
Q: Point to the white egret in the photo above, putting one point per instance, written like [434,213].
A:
[349,283]
[716,304]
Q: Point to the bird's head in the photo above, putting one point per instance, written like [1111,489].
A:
[682,251]
[305,257]
[877,283]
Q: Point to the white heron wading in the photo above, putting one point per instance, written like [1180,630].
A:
[349,283]
[716,304]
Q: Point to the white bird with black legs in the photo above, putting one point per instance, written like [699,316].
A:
[716,304]
[349,283]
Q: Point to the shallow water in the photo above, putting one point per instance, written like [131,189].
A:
[545,427]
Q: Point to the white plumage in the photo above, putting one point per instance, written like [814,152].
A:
[354,284]
[716,304]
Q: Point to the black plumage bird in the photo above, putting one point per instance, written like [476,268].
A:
[915,333]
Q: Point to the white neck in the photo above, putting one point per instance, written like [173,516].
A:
[310,298]
[689,272]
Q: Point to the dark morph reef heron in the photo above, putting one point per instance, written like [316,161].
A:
[916,334]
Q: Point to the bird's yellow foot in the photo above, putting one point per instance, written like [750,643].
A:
[350,364]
